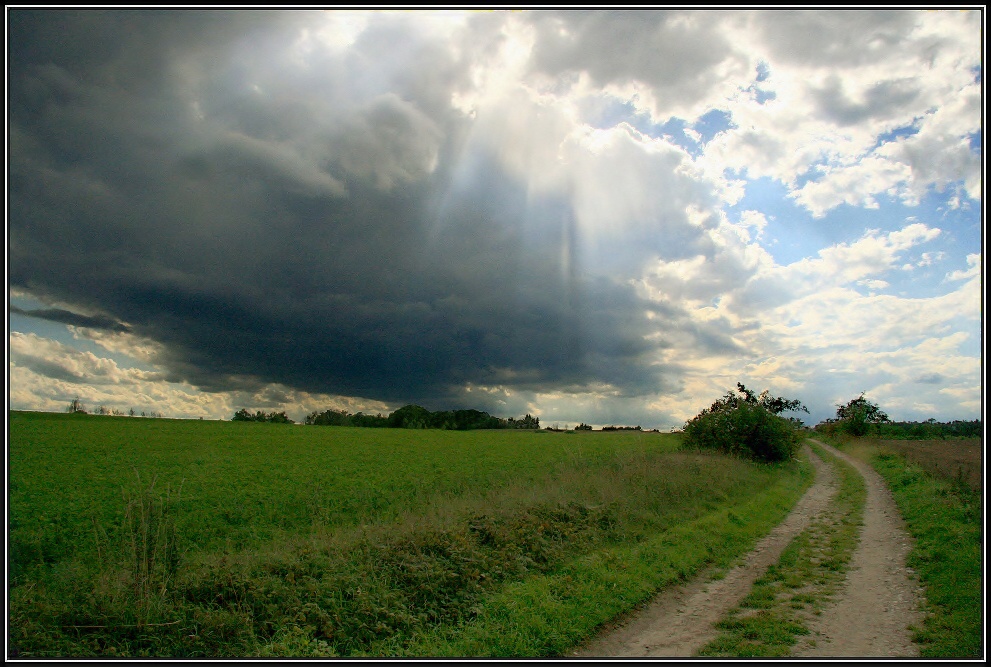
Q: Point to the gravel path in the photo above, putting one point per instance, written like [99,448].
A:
[870,615]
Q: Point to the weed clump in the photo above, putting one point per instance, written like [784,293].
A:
[153,553]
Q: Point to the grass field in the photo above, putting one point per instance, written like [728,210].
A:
[156,537]
[956,460]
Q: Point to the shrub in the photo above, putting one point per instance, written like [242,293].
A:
[743,424]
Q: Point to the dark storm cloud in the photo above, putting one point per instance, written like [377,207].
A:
[75,319]
[271,219]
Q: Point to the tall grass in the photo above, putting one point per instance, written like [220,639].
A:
[154,554]
[305,541]
[548,614]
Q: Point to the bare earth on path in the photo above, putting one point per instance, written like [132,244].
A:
[870,615]
[680,619]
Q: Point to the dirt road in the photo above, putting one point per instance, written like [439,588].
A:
[880,598]
[869,617]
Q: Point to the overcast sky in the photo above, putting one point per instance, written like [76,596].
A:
[598,216]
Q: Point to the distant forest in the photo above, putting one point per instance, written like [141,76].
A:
[409,416]
[929,430]
[415,416]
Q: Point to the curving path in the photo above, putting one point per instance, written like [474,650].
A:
[880,599]
[870,615]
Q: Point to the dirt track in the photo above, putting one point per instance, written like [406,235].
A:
[870,616]
[880,599]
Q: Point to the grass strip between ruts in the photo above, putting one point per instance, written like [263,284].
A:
[769,620]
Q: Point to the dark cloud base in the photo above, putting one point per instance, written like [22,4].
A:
[75,319]
[279,239]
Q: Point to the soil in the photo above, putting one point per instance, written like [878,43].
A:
[869,617]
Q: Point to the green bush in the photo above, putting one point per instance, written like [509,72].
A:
[746,425]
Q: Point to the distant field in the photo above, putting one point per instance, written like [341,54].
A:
[954,459]
[289,540]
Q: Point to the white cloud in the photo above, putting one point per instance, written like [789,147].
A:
[795,323]
[973,271]
[842,264]
[830,114]
[857,185]
[753,220]
[46,375]
[136,347]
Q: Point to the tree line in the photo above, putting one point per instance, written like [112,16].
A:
[243,415]
[408,416]
[76,407]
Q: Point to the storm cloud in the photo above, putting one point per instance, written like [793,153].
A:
[213,195]
[547,211]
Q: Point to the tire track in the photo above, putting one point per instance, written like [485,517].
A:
[680,619]
[880,600]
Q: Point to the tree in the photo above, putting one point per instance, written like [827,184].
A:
[746,424]
[278,418]
[410,416]
[528,422]
[330,418]
[859,415]
[243,415]
[75,406]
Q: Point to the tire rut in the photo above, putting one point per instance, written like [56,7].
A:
[681,619]
[870,616]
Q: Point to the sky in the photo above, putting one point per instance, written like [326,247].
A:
[609,217]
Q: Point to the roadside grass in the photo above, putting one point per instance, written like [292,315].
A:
[549,614]
[186,539]
[945,518]
[768,622]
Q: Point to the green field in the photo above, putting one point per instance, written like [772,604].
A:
[157,537]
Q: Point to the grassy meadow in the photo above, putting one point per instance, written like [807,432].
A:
[184,538]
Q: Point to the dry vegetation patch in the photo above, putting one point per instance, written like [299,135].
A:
[959,460]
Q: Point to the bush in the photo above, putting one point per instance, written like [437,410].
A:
[747,425]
